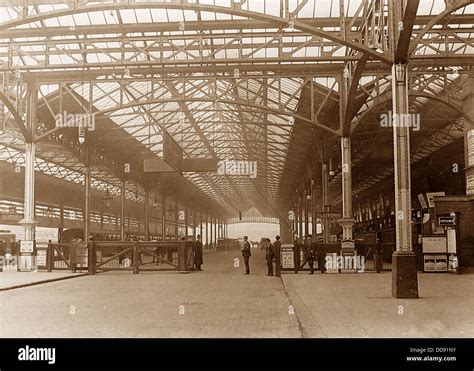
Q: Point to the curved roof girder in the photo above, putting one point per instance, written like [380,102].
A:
[388,98]
[277,22]
[349,106]
[451,7]
[17,118]
[226,101]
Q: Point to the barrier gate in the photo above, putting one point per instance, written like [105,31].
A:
[121,256]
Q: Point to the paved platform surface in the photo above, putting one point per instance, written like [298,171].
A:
[361,305]
[221,301]
[12,279]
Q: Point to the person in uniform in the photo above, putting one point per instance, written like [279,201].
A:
[197,249]
[310,253]
[296,254]
[321,249]
[246,254]
[277,253]
[269,255]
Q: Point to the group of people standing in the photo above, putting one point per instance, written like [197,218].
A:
[306,248]
[272,253]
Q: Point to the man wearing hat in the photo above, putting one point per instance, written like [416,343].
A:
[310,250]
[246,254]
[296,253]
[277,251]
[197,249]
[269,255]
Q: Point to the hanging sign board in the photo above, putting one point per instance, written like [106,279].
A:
[172,152]
[199,164]
[156,165]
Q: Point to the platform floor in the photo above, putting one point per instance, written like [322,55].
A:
[221,301]
[10,279]
[361,305]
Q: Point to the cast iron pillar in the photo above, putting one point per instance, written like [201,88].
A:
[306,215]
[211,231]
[122,210]
[177,218]
[28,222]
[186,221]
[215,231]
[325,201]
[297,218]
[300,217]
[404,273]
[468,108]
[147,217]
[87,200]
[207,229]
[347,220]
[285,232]
[163,217]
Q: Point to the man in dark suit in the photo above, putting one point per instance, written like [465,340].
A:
[321,248]
[277,252]
[246,254]
[310,253]
[269,255]
[198,253]
[297,254]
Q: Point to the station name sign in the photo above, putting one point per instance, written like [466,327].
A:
[11,217]
[327,215]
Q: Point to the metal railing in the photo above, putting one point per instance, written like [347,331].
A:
[66,256]
[377,256]
[132,256]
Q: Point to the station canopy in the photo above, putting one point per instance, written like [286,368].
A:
[248,80]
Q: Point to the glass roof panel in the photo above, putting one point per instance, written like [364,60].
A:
[205,116]
[430,7]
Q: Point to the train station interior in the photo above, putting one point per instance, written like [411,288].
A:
[139,138]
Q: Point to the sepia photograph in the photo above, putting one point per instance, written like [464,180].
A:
[292,174]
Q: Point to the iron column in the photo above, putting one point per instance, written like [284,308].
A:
[28,222]
[147,220]
[404,273]
[87,200]
[347,220]
[122,210]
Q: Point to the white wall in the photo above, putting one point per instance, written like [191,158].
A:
[255,231]
[43,234]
